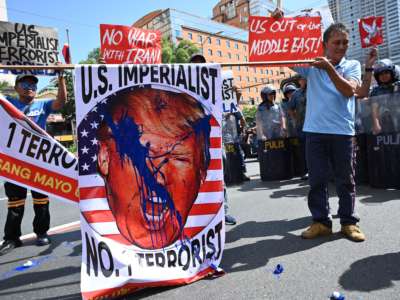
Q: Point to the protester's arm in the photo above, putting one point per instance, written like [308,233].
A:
[347,87]
[363,90]
[61,94]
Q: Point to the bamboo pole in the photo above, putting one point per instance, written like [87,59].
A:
[247,63]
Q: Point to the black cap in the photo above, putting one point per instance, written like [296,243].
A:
[23,76]
[198,56]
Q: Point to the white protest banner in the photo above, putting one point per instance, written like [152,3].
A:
[229,99]
[30,157]
[24,44]
[150,175]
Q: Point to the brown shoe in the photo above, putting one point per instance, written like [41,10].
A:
[353,232]
[315,230]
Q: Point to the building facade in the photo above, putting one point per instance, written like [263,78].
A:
[349,11]
[236,12]
[219,43]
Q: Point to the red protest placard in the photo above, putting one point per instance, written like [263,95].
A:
[282,39]
[123,44]
[370,31]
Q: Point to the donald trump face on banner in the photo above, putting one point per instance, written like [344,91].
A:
[153,156]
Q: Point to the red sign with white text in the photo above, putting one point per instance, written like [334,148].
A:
[123,44]
[282,39]
[370,31]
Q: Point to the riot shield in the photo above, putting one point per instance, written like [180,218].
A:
[363,126]
[275,159]
[383,142]
[229,129]
[232,164]
[268,123]
[232,160]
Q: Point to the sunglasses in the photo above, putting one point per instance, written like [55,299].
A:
[28,86]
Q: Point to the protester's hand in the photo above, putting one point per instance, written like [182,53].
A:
[59,71]
[321,63]
[376,129]
[371,58]
[277,13]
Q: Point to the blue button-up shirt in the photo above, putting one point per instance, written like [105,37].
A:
[328,111]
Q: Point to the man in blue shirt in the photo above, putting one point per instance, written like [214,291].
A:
[38,111]
[329,126]
[332,82]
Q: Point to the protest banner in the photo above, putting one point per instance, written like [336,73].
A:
[23,44]
[272,39]
[150,175]
[370,31]
[229,99]
[124,44]
[31,158]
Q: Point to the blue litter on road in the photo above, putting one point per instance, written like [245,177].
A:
[278,269]
[337,296]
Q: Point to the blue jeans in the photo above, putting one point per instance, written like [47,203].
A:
[321,150]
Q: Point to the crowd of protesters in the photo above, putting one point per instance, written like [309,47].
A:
[318,108]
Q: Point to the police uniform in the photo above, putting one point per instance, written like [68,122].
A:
[387,97]
[298,104]
[268,121]
[38,111]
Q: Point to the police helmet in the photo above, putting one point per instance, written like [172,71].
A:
[267,91]
[289,88]
[385,65]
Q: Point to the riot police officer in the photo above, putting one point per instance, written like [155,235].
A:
[385,103]
[270,119]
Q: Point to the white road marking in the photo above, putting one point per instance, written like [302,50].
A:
[54,230]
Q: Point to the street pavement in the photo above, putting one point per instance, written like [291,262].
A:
[271,216]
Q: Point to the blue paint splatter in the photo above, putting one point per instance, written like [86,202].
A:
[127,136]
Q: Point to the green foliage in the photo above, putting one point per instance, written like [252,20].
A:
[93,57]
[73,148]
[180,53]
[8,89]
[249,114]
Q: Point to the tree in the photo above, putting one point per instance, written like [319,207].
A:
[249,114]
[180,53]
[7,88]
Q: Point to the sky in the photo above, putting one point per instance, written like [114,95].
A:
[82,18]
